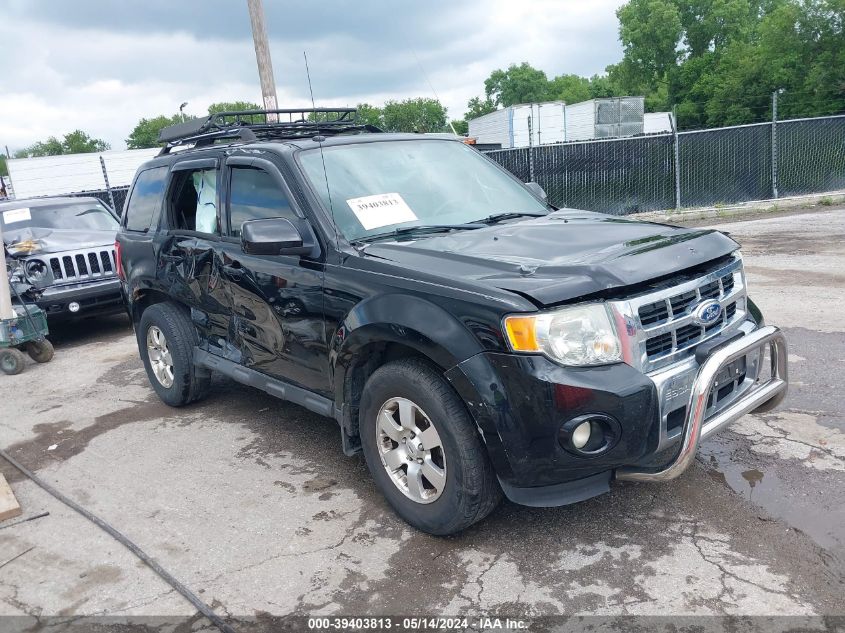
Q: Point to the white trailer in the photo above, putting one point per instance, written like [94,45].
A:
[657,122]
[604,118]
[521,125]
[75,173]
[556,122]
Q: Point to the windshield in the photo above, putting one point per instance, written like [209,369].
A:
[81,216]
[377,187]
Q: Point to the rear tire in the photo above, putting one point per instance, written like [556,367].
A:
[12,361]
[449,483]
[166,340]
[40,351]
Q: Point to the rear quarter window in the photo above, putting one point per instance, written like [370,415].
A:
[144,205]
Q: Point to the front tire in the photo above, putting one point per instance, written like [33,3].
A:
[166,339]
[423,449]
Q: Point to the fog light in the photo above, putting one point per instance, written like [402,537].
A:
[590,435]
[73,306]
[581,435]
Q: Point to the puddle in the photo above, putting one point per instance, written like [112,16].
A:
[808,504]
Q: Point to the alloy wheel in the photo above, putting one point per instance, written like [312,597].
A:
[160,359]
[411,450]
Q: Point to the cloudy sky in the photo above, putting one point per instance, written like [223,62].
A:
[100,65]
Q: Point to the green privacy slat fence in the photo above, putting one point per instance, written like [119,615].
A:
[716,166]
[616,176]
[811,156]
[725,165]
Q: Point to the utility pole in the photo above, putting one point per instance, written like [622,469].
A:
[262,57]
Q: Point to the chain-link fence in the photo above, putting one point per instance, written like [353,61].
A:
[116,200]
[687,169]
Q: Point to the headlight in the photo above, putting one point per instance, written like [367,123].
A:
[578,335]
[35,270]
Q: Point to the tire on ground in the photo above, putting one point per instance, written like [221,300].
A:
[190,383]
[12,361]
[40,351]
[471,491]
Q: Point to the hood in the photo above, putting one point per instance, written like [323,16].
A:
[35,241]
[561,256]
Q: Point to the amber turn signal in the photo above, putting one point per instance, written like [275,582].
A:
[522,333]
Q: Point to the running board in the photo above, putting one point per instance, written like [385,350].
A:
[278,388]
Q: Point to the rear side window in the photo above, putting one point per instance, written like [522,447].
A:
[192,201]
[145,201]
[255,195]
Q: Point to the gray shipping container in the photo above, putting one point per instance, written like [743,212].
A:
[605,118]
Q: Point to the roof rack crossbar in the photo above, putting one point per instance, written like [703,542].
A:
[326,118]
[200,140]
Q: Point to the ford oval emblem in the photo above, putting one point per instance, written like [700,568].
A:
[707,313]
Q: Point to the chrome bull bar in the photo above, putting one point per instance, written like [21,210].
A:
[761,397]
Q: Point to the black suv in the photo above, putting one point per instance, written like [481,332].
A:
[469,338]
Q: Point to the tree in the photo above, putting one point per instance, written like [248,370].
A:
[517,84]
[601,87]
[569,88]
[650,31]
[76,142]
[146,131]
[369,115]
[232,106]
[414,115]
[461,126]
[719,61]
[477,107]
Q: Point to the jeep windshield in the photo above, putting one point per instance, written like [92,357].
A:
[378,187]
[74,216]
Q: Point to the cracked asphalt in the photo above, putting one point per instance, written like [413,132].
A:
[250,501]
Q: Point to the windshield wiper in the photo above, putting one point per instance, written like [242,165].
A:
[507,215]
[425,228]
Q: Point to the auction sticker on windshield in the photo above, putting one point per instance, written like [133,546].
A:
[381,210]
[16,215]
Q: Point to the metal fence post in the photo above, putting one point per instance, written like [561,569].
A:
[108,186]
[530,150]
[677,160]
[775,144]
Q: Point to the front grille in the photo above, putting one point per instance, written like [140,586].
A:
[83,265]
[658,345]
[667,330]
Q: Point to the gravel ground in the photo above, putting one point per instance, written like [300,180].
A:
[251,503]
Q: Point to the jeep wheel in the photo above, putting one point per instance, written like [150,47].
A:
[12,361]
[423,449]
[166,338]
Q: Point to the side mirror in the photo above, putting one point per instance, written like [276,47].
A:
[536,189]
[275,236]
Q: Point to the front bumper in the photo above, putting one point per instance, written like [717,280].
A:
[521,402]
[762,396]
[94,299]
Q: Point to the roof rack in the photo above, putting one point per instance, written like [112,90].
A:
[251,125]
